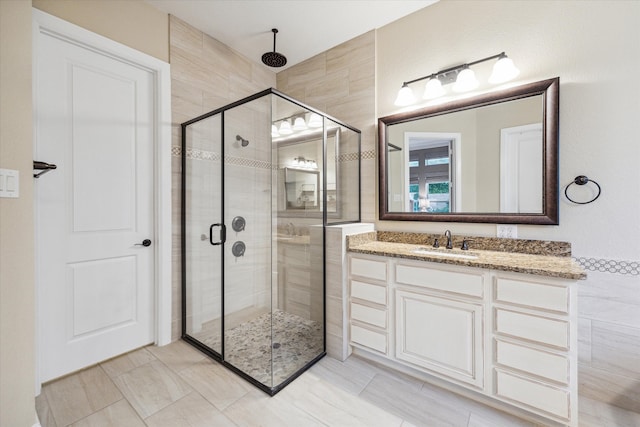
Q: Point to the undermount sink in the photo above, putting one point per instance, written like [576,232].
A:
[434,252]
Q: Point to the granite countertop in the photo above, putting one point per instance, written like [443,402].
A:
[544,265]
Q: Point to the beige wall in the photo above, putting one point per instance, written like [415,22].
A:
[131,22]
[17,328]
[599,128]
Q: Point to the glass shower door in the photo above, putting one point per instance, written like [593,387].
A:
[203,232]
[248,263]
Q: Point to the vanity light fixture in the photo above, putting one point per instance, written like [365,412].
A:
[299,124]
[285,128]
[315,121]
[302,163]
[433,88]
[296,125]
[503,70]
[466,81]
[463,76]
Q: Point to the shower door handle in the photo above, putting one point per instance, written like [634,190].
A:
[223,234]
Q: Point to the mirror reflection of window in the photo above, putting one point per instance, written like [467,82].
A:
[430,175]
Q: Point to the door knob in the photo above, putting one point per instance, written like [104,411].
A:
[145,243]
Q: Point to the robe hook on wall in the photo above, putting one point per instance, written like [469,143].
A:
[581,180]
[42,166]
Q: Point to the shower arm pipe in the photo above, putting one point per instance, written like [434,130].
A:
[274,31]
[455,68]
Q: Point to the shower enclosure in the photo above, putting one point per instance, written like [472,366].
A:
[261,179]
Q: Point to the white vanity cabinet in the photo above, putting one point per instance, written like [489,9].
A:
[368,305]
[534,344]
[439,318]
[508,336]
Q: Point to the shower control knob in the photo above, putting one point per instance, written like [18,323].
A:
[145,243]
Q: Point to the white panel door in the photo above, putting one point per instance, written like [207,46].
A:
[95,121]
[521,167]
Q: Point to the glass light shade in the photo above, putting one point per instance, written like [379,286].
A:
[274,131]
[299,124]
[315,121]
[433,88]
[503,71]
[405,96]
[465,81]
[285,128]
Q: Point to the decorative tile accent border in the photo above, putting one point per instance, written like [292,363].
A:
[347,157]
[195,154]
[350,157]
[250,163]
[609,265]
[366,155]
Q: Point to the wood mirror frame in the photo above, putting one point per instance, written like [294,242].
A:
[549,90]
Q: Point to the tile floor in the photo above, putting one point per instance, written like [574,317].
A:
[177,386]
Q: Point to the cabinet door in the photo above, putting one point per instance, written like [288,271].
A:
[440,334]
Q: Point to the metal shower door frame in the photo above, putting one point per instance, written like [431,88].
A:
[184,335]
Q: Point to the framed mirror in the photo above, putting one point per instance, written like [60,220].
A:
[301,189]
[492,158]
[300,164]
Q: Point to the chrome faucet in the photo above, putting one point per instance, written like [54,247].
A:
[447,234]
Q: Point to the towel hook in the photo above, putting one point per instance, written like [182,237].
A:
[42,166]
[581,180]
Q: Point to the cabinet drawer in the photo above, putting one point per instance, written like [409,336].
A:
[532,294]
[442,280]
[535,328]
[547,365]
[369,315]
[369,268]
[533,394]
[374,340]
[369,292]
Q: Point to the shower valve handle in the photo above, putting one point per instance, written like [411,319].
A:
[223,234]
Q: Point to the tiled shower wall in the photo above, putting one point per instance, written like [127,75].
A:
[341,82]
[205,75]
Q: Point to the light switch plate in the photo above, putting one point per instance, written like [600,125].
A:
[9,183]
[507,231]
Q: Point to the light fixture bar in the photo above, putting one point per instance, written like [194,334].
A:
[455,68]
[464,78]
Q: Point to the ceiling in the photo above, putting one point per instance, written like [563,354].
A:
[306,27]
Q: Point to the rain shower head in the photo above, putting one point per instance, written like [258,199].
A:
[274,59]
[243,142]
